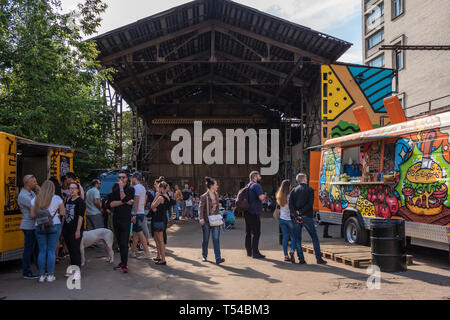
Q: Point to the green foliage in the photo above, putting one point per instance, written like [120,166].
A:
[50,86]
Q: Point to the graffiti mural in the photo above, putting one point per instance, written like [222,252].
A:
[345,87]
[11,206]
[419,191]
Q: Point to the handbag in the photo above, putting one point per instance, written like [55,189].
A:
[215,220]
[276,213]
[44,219]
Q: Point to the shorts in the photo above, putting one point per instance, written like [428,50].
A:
[138,226]
[159,226]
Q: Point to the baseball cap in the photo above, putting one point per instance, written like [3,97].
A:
[137,175]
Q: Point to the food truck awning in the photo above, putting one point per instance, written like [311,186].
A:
[44,145]
[392,131]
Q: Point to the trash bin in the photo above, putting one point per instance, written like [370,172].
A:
[388,244]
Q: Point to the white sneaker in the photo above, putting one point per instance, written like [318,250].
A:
[144,257]
[42,278]
[51,278]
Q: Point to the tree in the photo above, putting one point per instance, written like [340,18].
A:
[50,82]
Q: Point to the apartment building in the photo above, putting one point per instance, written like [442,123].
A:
[423,76]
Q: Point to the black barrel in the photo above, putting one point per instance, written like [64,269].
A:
[388,244]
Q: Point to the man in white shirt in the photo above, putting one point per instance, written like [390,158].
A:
[138,215]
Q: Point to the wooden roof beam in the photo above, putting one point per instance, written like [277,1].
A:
[201,28]
[223,27]
[170,64]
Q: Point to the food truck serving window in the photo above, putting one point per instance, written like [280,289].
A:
[389,158]
[351,161]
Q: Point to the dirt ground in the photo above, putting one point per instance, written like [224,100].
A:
[186,277]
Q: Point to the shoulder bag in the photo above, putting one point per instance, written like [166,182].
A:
[44,219]
[215,220]
[276,213]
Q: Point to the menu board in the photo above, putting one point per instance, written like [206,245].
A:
[374,158]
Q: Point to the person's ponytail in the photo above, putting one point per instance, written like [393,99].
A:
[209,182]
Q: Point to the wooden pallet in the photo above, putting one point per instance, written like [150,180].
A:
[355,256]
[355,260]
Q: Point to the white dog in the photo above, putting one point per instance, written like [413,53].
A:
[91,237]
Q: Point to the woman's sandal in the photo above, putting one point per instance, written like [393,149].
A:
[161,263]
[156,259]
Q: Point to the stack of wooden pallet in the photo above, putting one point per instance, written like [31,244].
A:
[353,255]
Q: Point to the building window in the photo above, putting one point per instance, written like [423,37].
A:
[374,18]
[397,8]
[375,39]
[377,62]
[398,60]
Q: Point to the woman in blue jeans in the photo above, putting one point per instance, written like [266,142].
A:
[48,238]
[209,205]
[286,224]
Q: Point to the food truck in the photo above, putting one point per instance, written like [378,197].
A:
[18,157]
[398,171]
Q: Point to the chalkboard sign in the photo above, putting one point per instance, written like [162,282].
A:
[64,165]
[374,158]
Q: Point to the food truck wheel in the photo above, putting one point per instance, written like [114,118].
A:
[354,233]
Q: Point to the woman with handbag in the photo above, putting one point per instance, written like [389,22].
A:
[46,207]
[159,220]
[286,224]
[210,219]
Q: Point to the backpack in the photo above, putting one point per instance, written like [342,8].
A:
[242,203]
[44,220]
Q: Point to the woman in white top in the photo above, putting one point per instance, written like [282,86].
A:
[286,224]
[47,239]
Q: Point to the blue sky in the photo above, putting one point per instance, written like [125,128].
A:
[338,18]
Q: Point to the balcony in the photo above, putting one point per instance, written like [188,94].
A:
[370,52]
[375,24]
[369,4]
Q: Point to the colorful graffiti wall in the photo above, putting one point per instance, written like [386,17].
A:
[419,191]
[345,87]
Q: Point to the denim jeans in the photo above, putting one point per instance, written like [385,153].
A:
[308,223]
[28,250]
[177,210]
[47,248]
[287,228]
[207,229]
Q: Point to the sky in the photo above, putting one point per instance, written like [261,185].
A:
[337,18]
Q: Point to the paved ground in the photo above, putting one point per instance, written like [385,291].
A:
[240,277]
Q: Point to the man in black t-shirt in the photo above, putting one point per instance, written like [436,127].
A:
[121,201]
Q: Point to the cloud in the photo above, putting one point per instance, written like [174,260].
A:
[321,15]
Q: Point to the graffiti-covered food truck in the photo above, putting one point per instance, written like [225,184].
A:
[18,157]
[400,171]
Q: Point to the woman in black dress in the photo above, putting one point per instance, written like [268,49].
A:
[159,220]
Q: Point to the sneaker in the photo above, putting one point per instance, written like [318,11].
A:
[321,261]
[144,257]
[51,278]
[259,256]
[292,256]
[219,261]
[118,267]
[327,236]
[125,269]
[302,262]
[30,276]
[204,259]
[42,278]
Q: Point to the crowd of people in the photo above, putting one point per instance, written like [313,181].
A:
[54,217]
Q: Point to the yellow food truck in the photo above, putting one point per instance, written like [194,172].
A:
[18,157]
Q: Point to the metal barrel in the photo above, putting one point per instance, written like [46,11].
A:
[388,244]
